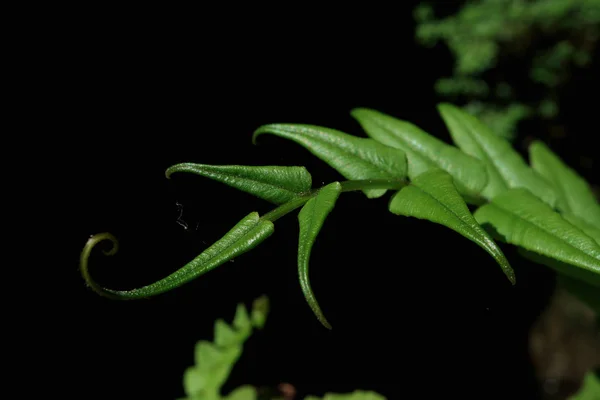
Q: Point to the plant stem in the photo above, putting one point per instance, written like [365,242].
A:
[394,184]
[347,186]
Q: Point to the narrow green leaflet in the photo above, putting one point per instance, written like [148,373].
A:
[505,167]
[311,219]
[424,151]
[353,157]
[244,236]
[272,183]
[433,196]
[574,194]
[524,220]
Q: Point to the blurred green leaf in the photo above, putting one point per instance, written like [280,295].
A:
[243,393]
[574,195]
[357,395]
[590,390]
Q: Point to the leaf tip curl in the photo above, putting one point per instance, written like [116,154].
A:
[92,242]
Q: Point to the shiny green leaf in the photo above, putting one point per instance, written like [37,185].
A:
[424,151]
[244,236]
[433,196]
[574,194]
[522,219]
[311,219]
[505,167]
[588,229]
[272,183]
[353,157]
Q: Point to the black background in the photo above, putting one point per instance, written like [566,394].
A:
[415,308]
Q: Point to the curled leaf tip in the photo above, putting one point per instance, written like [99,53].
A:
[175,168]
[92,242]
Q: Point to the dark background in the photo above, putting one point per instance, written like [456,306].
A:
[415,307]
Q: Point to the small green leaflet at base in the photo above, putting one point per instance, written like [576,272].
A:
[311,219]
[272,183]
[433,196]
[244,236]
[524,220]
[353,157]
[357,395]
[505,167]
[424,151]
[214,361]
[574,194]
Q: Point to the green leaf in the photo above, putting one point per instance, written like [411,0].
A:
[353,157]
[574,194]
[243,393]
[241,321]
[588,229]
[247,234]
[207,355]
[432,196]
[272,183]
[524,220]
[214,362]
[311,219]
[226,336]
[590,390]
[424,151]
[505,167]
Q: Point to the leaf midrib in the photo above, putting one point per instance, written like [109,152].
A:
[345,149]
[296,194]
[458,217]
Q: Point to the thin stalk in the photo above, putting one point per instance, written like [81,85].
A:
[347,186]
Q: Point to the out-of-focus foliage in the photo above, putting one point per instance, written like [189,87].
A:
[499,43]
[590,389]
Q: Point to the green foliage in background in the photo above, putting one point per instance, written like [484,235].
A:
[215,360]
[543,40]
